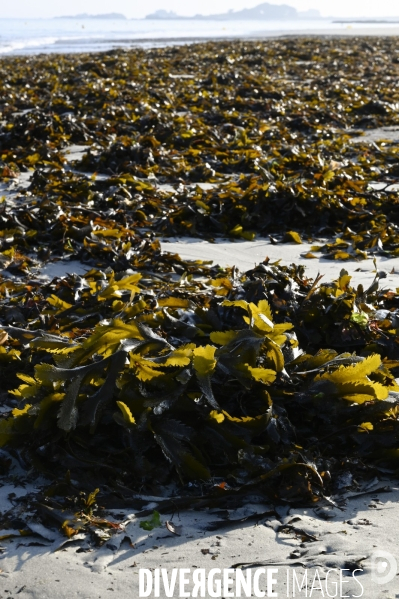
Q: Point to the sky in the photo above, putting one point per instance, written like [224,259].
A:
[138,9]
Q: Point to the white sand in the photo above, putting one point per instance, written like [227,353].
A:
[246,254]
[349,538]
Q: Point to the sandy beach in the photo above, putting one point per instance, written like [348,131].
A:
[303,541]
[139,206]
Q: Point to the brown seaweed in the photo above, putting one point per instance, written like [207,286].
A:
[149,369]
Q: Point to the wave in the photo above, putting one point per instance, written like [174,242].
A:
[14,45]
[87,44]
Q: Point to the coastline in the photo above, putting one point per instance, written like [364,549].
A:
[90,35]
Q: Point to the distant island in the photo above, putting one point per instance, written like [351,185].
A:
[360,20]
[110,15]
[264,11]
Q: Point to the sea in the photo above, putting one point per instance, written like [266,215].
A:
[59,35]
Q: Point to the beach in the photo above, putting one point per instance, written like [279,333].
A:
[159,207]
[332,548]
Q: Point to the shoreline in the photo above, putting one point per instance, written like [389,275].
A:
[170,42]
[124,42]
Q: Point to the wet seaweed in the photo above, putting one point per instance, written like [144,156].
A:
[151,371]
[269,130]
[141,378]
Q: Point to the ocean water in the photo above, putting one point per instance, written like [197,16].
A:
[34,36]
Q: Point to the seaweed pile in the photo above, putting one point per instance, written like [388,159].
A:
[268,125]
[142,379]
[152,371]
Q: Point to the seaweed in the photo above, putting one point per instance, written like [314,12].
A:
[204,378]
[269,133]
[149,370]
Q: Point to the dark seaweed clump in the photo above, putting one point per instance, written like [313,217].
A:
[151,370]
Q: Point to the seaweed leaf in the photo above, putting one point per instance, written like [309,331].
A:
[153,522]
[264,375]
[354,372]
[126,413]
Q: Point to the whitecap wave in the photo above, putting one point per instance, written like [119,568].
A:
[11,46]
